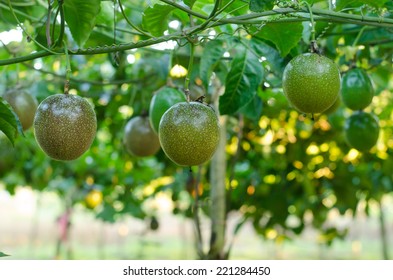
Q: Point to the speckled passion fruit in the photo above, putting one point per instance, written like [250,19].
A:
[65,126]
[362,130]
[7,155]
[24,105]
[162,100]
[357,90]
[189,133]
[139,138]
[311,82]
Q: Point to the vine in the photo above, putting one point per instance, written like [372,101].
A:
[290,14]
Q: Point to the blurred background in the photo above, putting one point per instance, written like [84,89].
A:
[282,185]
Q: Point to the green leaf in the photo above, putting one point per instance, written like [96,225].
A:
[212,53]
[189,3]
[285,36]
[242,81]
[261,5]
[341,4]
[155,19]
[9,121]
[3,255]
[80,16]
[253,110]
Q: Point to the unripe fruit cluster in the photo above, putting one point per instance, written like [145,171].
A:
[361,128]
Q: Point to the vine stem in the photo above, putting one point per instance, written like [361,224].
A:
[358,36]
[313,44]
[68,71]
[189,70]
[130,23]
[311,20]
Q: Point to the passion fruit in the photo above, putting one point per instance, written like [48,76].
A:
[139,138]
[311,82]
[65,126]
[357,90]
[162,100]
[362,130]
[189,133]
[24,105]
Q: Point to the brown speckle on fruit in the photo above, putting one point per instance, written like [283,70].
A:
[189,133]
[65,126]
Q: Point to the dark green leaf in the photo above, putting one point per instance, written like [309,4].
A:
[261,5]
[80,16]
[273,58]
[242,81]
[155,19]
[3,255]
[9,121]
[189,3]
[253,109]
[285,36]
[212,54]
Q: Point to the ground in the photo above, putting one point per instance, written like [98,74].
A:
[28,230]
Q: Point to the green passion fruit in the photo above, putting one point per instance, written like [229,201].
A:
[139,138]
[311,82]
[361,130]
[162,100]
[24,105]
[357,90]
[65,126]
[189,133]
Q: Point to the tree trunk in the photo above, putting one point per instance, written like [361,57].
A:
[384,238]
[218,198]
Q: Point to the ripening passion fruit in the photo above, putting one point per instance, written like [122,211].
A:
[189,133]
[311,82]
[139,138]
[65,126]
[24,105]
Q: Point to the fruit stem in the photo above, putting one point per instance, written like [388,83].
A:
[68,70]
[314,46]
[48,22]
[188,77]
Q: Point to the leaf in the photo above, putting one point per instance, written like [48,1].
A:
[340,4]
[9,121]
[285,36]
[80,16]
[3,255]
[212,53]
[189,3]
[155,19]
[273,58]
[253,110]
[242,81]
[261,5]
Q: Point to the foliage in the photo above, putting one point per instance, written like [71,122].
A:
[3,255]
[282,167]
